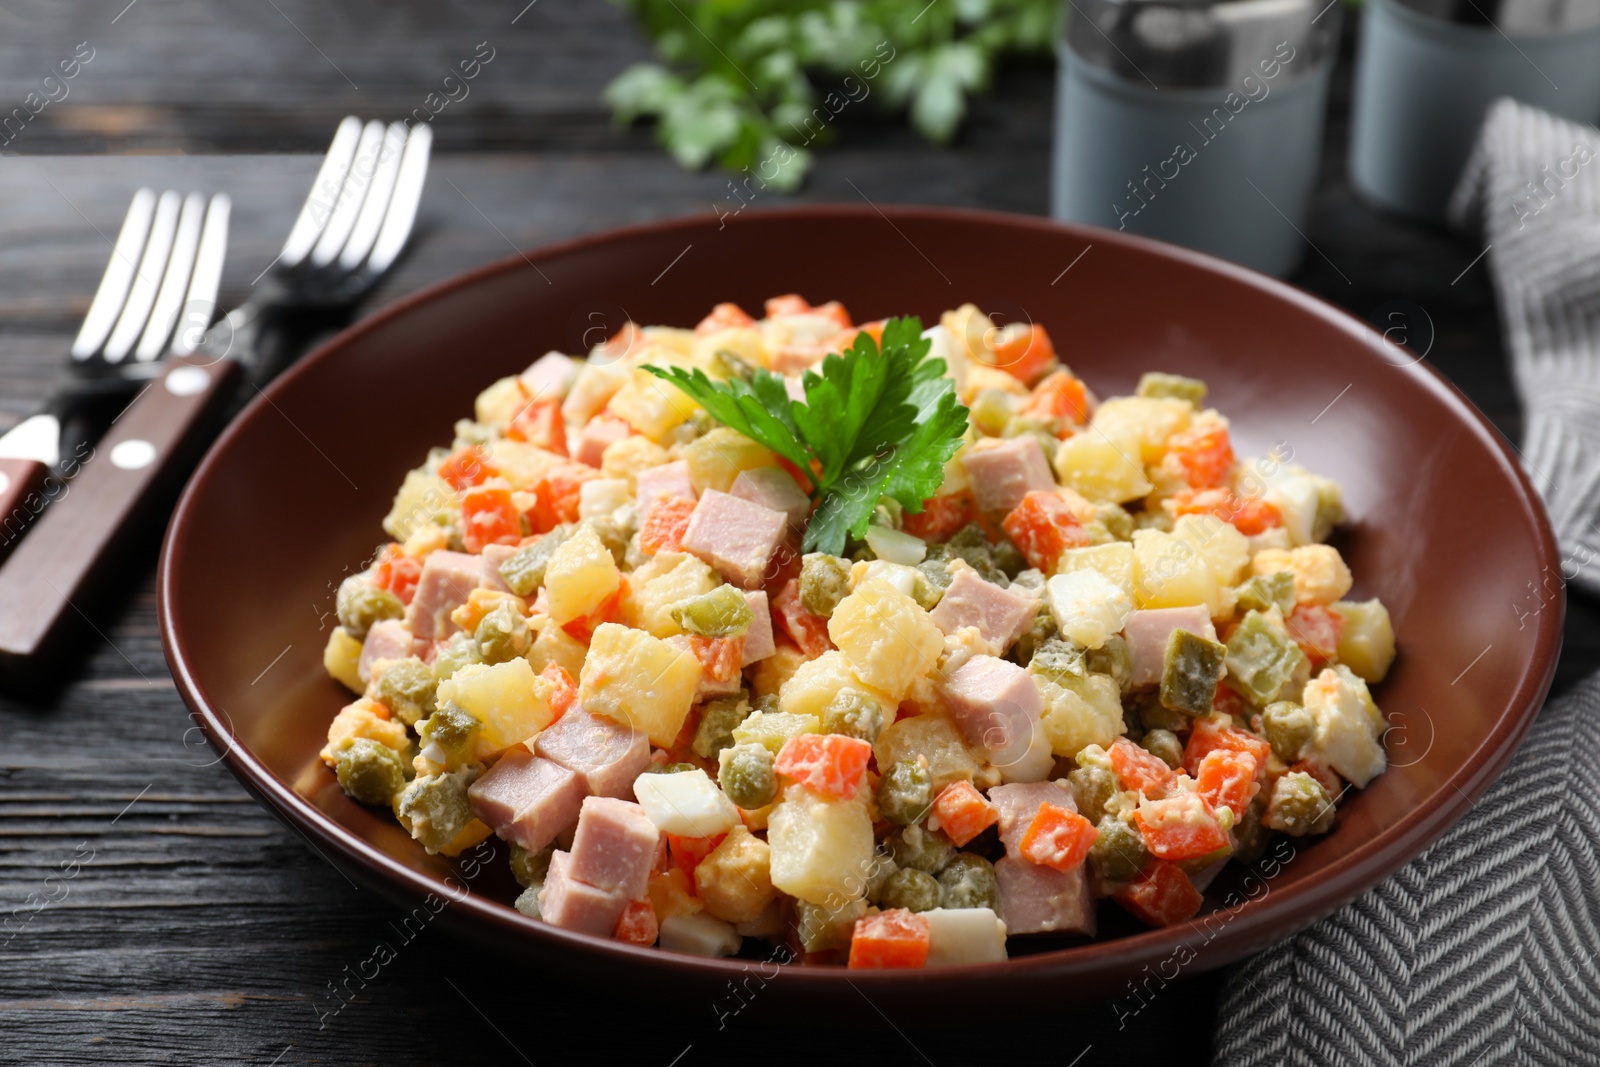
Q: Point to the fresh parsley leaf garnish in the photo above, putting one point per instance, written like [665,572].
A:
[877,421]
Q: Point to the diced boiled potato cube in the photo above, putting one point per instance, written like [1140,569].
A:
[716,459]
[771,673]
[1146,420]
[596,383]
[666,580]
[887,638]
[580,575]
[638,680]
[497,404]
[899,575]
[934,738]
[686,804]
[1320,574]
[813,686]
[555,645]
[964,935]
[771,729]
[1090,714]
[626,458]
[341,658]
[1169,573]
[1088,607]
[1366,644]
[744,342]
[675,339]
[981,376]
[508,700]
[735,881]
[699,934]
[601,498]
[1103,469]
[821,848]
[522,465]
[1226,550]
[651,406]
[422,499]
[1349,731]
[1114,560]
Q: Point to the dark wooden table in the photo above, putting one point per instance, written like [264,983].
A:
[195,928]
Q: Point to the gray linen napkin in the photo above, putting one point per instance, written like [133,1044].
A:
[1486,949]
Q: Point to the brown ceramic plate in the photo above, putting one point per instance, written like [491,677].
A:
[1443,526]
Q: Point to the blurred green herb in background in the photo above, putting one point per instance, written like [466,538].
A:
[735,81]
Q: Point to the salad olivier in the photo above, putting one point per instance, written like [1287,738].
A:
[879,643]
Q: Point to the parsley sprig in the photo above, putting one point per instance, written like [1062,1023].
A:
[877,422]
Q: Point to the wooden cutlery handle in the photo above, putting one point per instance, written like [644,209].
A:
[58,567]
[23,495]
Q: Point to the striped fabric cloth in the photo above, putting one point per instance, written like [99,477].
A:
[1486,949]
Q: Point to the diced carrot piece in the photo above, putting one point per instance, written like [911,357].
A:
[1248,516]
[836,311]
[582,629]
[540,423]
[665,524]
[801,478]
[1059,396]
[1162,895]
[489,518]
[1058,838]
[1227,779]
[638,924]
[397,572]
[941,517]
[564,693]
[1180,827]
[1316,630]
[808,631]
[465,467]
[725,316]
[872,329]
[832,764]
[1026,353]
[962,812]
[891,939]
[1204,452]
[1138,769]
[687,852]
[1324,774]
[1214,732]
[789,304]
[1229,702]
[1043,527]
[620,343]
[556,497]
[720,657]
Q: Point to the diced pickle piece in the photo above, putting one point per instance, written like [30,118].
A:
[1299,805]
[448,735]
[820,927]
[1164,744]
[1113,658]
[1192,668]
[1288,728]
[917,846]
[938,577]
[406,687]
[1151,714]
[1265,590]
[1039,631]
[1176,386]
[434,808]
[717,721]
[1249,836]
[773,728]
[968,881]
[824,581]
[523,573]
[530,868]
[723,612]
[1059,661]
[360,604]
[853,714]
[370,772]
[1092,787]
[911,889]
[1262,662]
[747,776]
[458,651]
[1119,853]
[905,793]
[502,635]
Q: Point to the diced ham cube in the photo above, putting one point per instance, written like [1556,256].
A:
[1001,615]
[574,905]
[493,556]
[994,704]
[772,487]
[606,755]
[735,536]
[527,800]
[448,578]
[597,435]
[758,640]
[1018,803]
[390,639]
[614,847]
[1002,472]
[1147,631]
[550,376]
[1038,900]
[669,479]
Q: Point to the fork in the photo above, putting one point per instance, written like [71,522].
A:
[351,229]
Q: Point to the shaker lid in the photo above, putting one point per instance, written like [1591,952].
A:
[1202,44]
[1513,18]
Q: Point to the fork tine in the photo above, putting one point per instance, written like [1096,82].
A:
[145,282]
[314,212]
[402,212]
[376,204]
[201,304]
[113,291]
[357,185]
[180,262]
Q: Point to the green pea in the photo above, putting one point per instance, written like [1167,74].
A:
[1116,519]
[1008,558]
[971,544]
[819,927]
[371,773]
[502,634]
[1039,631]
[668,768]
[459,649]
[723,612]
[1092,787]
[918,847]
[969,882]
[1119,853]
[1262,662]
[880,868]
[746,775]
[1267,590]
[523,572]
[530,868]
[434,808]
[911,889]
[718,718]
[824,581]
[1114,658]
[936,573]
[1176,386]
[905,793]
[453,729]
[1194,665]
[1299,805]
[527,901]
[361,604]
[1164,745]
[406,687]
[1250,837]
[853,714]
[1288,728]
